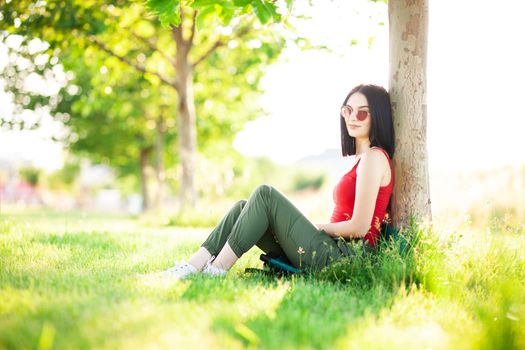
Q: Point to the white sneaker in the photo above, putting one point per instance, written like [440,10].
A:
[213,270]
[181,270]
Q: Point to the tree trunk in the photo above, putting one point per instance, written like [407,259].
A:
[144,156]
[159,166]
[187,134]
[408,58]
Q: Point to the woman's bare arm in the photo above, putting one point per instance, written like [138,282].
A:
[369,174]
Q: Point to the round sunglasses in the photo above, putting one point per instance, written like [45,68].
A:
[346,111]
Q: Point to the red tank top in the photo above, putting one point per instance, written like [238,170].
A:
[344,199]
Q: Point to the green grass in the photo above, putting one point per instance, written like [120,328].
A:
[77,281]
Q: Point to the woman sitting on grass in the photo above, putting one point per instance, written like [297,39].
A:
[271,222]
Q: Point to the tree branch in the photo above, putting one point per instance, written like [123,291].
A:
[215,46]
[177,34]
[153,46]
[126,60]
[177,30]
[184,45]
[183,48]
[192,34]
[242,32]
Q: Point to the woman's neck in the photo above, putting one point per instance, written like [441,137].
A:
[361,146]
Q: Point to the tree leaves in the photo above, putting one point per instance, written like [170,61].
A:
[265,10]
[242,3]
[167,10]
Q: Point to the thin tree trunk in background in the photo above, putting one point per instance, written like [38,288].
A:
[408,59]
[144,156]
[187,134]
[159,166]
[187,137]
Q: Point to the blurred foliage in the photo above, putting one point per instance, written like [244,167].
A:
[485,199]
[30,175]
[29,63]
[117,87]
[224,180]
[64,178]
[235,176]
[308,180]
[206,214]
[115,112]
[169,11]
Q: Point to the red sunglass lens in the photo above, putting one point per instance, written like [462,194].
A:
[346,111]
[361,115]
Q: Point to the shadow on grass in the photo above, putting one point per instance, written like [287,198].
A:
[317,309]
[311,314]
[289,312]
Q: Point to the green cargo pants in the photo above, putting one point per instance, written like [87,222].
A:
[270,221]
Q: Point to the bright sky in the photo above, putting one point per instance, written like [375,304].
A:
[475,81]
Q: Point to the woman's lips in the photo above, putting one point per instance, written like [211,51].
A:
[353,126]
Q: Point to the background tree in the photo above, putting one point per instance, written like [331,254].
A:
[118,115]
[408,21]
[190,44]
[116,111]
[190,22]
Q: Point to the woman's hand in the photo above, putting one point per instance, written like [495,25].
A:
[341,229]
[326,229]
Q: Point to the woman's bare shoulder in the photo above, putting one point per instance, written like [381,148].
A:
[375,161]
[376,154]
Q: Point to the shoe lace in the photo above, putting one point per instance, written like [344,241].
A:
[179,266]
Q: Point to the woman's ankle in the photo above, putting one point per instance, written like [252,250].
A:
[200,258]
[226,258]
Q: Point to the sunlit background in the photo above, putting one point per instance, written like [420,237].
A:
[475,83]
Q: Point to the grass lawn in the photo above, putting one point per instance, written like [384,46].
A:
[74,281]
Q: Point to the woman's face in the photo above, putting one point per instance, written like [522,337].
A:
[357,128]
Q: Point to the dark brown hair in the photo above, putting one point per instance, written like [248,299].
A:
[381,124]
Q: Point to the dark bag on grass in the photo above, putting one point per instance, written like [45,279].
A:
[275,266]
[390,233]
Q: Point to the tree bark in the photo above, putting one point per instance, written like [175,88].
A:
[144,157]
[187,135]
[408,58]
